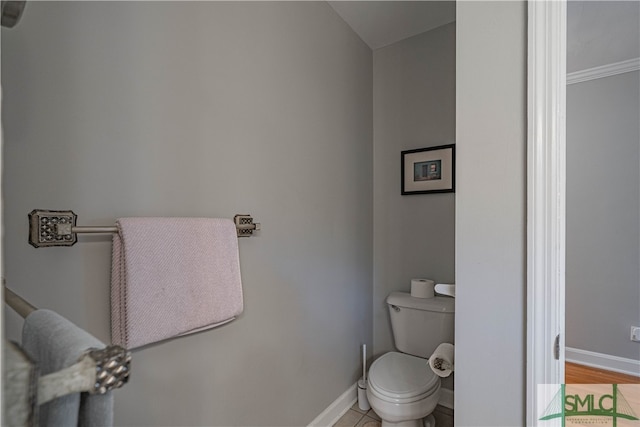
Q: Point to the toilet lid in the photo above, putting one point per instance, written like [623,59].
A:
[402,376]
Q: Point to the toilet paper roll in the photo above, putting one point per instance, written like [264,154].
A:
[446,289]
[422,288]
[441,361]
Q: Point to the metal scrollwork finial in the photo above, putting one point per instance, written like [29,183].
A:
[112,368]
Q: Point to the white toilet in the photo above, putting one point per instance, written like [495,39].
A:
[402,388]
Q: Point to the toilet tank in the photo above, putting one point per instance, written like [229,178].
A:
[419,325]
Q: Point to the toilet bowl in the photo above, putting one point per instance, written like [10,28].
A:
[402,389]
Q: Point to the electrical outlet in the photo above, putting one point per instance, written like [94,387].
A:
[635,333]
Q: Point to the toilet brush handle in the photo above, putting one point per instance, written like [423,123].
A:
[364,362]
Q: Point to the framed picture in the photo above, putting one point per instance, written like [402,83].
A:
[429,170]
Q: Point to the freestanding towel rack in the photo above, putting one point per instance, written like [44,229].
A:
[97,371]
[58,228]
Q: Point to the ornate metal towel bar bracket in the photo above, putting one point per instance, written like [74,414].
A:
[245,225]
[58,228]
[113,365]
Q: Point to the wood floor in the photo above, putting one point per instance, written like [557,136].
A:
[579,374]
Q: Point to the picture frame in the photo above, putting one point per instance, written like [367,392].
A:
[429,170]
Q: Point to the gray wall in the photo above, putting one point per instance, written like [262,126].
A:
[414,107]
[603,215]
[490,213]
[601,32]
[201,109]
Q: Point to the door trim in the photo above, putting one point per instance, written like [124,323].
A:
[546,172]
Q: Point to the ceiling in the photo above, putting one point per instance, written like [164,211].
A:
[381,23]
[598,32]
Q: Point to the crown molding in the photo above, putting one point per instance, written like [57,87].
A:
[604,71]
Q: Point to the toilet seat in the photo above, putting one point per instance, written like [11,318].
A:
[402,378]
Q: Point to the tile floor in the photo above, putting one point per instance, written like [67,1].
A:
[356,417]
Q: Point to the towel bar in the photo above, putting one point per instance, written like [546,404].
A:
[97,372]
[58,228]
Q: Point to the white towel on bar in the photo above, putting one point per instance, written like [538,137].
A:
[172,277]
[55,343]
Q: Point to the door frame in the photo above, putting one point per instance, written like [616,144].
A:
[546,176]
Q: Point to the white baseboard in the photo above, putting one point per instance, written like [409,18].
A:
[338,408]
[342,404]
[603,361]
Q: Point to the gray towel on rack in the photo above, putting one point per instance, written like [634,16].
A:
[55,343]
